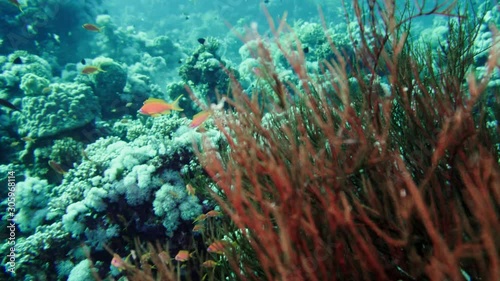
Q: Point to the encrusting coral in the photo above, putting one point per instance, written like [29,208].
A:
[62,107]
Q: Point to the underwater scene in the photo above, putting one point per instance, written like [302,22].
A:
[301,140]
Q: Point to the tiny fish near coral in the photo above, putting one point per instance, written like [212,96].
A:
[28,139]
[92,27]
[57,167]
[90,69]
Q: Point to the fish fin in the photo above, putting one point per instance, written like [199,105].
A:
[150,100]
[175,104]
[165,112]
[155,115]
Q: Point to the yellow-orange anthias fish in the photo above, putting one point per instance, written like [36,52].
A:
[156,107]
[190,189]
[90,69]
[183,255]
[198,228]
[209,263]
[217,247]
[199,118]
[212,214]
[118,262]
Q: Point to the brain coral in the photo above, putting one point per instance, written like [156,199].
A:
[48,112]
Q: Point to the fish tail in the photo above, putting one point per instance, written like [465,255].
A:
[175,104]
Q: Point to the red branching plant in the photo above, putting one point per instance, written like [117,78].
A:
[330,182]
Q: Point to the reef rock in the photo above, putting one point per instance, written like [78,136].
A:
[55,108]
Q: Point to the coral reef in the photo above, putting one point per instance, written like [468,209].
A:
[207,71]
[108,85]
[63,107]
[32,196]
[12,73]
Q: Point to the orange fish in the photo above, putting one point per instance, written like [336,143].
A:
[57,167]
[217,247]
[17,4]
[118,262]
[200,118]
[201,217]
[156,107]
[92,27]
[212,214]
[198,228]
[190,189]
[182,255]
[209,263]
[90,69]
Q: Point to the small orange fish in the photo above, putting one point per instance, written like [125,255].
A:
[92,27]
[200,118]
[209,263]
[90,69]
[212,214]
[57,167]
[198,228]
[85,155]
[182,255]
[118,262]
[17,4]
[201,217]
[217,247]
[156,107]
[190,189]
